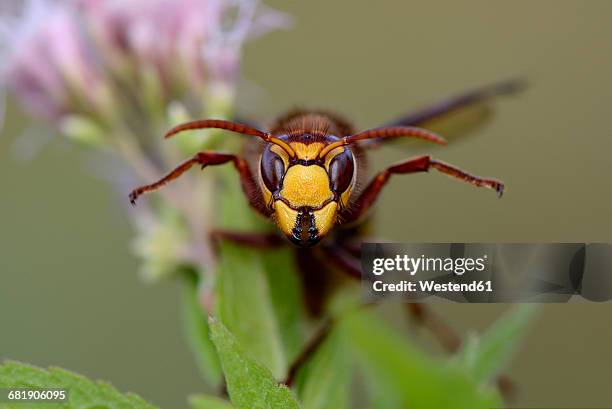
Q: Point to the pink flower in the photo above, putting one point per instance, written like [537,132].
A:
[75,56]
[46,58]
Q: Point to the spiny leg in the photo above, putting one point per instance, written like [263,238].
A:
[202,158]
[205,159]
[455,172]
[418,164]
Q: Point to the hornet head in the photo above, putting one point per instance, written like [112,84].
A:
[305,186]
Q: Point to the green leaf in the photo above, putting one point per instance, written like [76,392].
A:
[417,380]
[250,384]
[484,357]
[324,381]
[244,301]
[82,393]
[286,297]
[244,304]
[196,328]
[380,394]
[208,402]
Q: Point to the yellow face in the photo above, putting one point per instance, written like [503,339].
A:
[302,192]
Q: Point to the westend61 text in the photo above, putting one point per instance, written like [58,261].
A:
[432,286]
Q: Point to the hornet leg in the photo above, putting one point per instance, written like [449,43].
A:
[418,164]
[208,159]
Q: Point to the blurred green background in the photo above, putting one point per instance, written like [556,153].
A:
[69,292]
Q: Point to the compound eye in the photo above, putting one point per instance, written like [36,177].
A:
[341,171]
[272,170]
